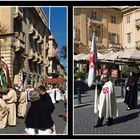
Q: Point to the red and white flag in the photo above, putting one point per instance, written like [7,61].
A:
[92,62]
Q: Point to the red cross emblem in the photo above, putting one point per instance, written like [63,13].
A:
[91,60]
[105,90]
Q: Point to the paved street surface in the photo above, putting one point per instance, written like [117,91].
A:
[59,122]
[128,122]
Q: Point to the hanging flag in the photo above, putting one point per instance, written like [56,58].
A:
[7,75]
[92,62]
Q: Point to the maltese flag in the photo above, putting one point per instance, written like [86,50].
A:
[92,62]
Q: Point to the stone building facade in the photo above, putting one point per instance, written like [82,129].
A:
[28,55]
[116,27]
[105,21]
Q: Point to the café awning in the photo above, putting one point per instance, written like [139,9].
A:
[83,56]
[130,54]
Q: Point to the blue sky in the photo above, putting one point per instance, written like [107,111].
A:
[58,26]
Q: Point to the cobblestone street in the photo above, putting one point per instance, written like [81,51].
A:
[128,122]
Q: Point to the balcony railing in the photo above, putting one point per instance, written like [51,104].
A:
[31,54]
[111,45]
[31,29]
[19,44]
[138,45]
[40,39]
[98,23]
[18,12]
[36,36]
[137,23]
[36,57]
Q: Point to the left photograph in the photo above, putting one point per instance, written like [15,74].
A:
[33,70]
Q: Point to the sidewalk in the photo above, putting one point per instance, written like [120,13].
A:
[88,97]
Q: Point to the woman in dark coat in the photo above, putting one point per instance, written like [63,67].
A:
[131,91]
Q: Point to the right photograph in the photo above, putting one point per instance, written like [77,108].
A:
[106,61]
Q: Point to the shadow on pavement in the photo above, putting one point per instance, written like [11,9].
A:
[126,118]
[82,105]
[82,96]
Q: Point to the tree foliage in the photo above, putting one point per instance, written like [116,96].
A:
[126,70]
[63,52]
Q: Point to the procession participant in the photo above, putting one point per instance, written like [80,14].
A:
[11,98]
[131,91]
[107,106]
[3,112]
[22,104]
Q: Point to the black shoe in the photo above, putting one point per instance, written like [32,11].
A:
[99,122]
[110,121]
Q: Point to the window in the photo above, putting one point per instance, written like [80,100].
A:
[94,15]
[128,37]
[98,36]
[113,19]
[128,19]
[77,34]
[113,37]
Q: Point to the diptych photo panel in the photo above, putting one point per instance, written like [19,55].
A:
[69,70]
[106,70]
[33,70]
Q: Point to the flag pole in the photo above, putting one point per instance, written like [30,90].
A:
[49,18]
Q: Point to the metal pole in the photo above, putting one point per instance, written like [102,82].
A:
[122,92]
[79,95]
[49,18]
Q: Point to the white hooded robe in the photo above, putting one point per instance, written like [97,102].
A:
[106,104]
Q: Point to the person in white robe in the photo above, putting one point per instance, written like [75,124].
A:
[22,104]
[11,98]
[105,103]
[3,113]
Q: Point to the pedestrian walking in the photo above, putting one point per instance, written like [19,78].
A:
[107,107]
[131,91]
